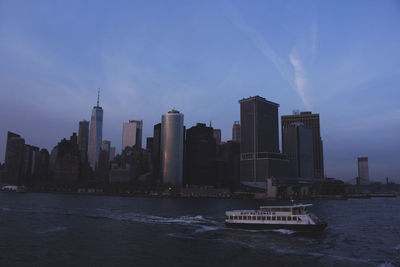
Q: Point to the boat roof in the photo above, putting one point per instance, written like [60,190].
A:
[291,206]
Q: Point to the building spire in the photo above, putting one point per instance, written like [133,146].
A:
[98,97]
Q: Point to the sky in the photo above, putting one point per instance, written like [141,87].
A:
[340,59]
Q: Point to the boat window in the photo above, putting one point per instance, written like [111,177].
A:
[278,218]
[240,217]
[273,218]
[289,218]
[258,217]
[284,218]
[253,217]
[263,218]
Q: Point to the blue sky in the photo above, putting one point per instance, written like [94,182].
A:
[339,58]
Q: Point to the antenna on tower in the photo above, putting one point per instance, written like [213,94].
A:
[98,97]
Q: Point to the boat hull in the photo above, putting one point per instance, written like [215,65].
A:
[295,227]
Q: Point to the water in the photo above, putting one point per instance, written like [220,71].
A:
[65,230]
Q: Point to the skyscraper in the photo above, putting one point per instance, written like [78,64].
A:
[106,145]
[217,135]
[236,132]
[156,153]
[132,134]
[259,144]
[95,134]
[83,139]
[310,121]
[14,158]
[363,172]
[172,137]
[298,144]
[200,156]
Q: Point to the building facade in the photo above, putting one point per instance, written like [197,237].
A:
[312,121]
[132,134]
[14,158]
[95,135]
[260,157]
[200,156]
[363,171]
[217,135]
[298,144]
[236,132]
[172,138]
[83,140]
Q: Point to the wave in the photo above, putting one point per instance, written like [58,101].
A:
[4,209]
[53,230]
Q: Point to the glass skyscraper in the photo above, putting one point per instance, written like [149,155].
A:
[95,135]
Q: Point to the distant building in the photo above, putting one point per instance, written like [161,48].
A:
[95,134]
[217,135]
[228,165]
[172,138]
[30,163]
[363,171]
[44,165]
[156,152]
[149,143]
[236,132]
[67,164]
[132,134]
[260,157]
[14,158]
[309,120]
[298,143]
[112,153]
[200,156]
[103,166]
[106,146]
[83,140]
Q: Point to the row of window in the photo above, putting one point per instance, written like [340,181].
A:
[265,218]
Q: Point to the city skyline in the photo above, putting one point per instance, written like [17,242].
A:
[290,53]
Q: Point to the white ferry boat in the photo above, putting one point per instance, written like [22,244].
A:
[295,217]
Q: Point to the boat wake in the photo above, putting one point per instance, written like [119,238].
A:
[198,220]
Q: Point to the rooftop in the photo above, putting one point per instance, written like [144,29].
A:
[258,98]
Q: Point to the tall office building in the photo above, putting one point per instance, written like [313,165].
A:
[363,171]
[259,144]
[298,144]
[172,137]
[236,132]
[200,156]
[132,134]
[14,158]
[83,139]
[95,134]
[217,135]
[156,153]
[309,120]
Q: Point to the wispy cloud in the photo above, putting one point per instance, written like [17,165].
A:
[261,44]
[300,78]
[296,77]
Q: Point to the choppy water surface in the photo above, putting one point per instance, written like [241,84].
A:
[49,229]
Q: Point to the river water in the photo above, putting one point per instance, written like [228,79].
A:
[53,229]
